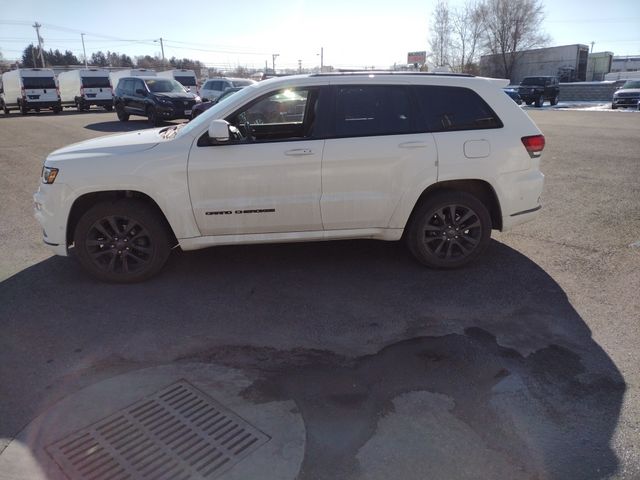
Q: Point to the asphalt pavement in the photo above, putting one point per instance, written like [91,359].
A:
[357,361]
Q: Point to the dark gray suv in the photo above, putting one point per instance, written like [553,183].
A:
[156,98]
[537,90]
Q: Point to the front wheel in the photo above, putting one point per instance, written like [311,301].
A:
[540,101]
[123,241]
[122,115]
[449,230]
[554,100]
[152,117]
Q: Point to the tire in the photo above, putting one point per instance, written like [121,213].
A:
[24,109]
[449,230]
[613,106]
[57,110]
[152,117]
[540,101]
[122,115]
[528,102]
[79,107]
[5,109]
[122,241]
[554,100]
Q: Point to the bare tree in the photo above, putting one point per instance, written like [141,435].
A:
[440,40]
[512,26]
[467,28]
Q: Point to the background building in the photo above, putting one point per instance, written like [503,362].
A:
[567,62]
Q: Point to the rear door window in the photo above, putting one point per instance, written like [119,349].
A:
[444,109]
[95,82]
[38,82]
[372,110]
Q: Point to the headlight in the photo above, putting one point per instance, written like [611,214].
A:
[49,174]
[198,99]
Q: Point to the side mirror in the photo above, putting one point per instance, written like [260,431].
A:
[141,91]
[219,130]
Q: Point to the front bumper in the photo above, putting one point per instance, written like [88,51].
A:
[626,102]
[49,211]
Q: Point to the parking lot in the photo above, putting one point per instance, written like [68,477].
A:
[352,359]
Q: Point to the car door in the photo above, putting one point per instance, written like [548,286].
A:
[372,157]
[267,184]
[138,99]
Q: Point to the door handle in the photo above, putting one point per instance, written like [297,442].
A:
[297,152]
[413,145]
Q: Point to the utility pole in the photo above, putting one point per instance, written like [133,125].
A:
[84,51]
[592,43]
[299,66]
[321,59]
[162,48]
[273,61]
[37,27]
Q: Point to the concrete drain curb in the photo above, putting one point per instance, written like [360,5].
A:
[177,421]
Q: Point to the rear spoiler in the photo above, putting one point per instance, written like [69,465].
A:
[498,82]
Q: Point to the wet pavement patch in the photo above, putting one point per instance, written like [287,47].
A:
[526,416]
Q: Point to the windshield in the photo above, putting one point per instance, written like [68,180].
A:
[533,81]
[38,82]
[632,84]
[95,82]
[186,80]
[164,86]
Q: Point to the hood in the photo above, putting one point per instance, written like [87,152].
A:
[178,95]
[627,90]
[122,143]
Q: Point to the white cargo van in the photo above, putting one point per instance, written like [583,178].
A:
[86,87]
[27,89]
[187,78]
[132,72]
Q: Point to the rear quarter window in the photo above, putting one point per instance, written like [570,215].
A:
[443,109]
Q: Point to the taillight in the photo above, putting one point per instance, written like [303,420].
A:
[82,91]
[58,92]
[23,92]
[534,145]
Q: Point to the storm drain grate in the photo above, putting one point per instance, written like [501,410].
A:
[178,433]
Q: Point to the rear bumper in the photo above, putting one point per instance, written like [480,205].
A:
[37,104]
[520,197]
[97,102]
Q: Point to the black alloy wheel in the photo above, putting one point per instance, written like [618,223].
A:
[449,230]
[121,241]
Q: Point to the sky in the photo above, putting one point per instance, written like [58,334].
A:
[352,33]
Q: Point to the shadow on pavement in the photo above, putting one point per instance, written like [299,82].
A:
[495,371]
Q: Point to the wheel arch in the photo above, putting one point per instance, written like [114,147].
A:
[480,189]
[86,201]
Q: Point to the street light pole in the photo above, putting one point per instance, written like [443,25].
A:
[84,51]
[321,59]
[37,26]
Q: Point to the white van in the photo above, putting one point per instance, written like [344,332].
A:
[86,87]
[186,78]
[27,89]
[131,72]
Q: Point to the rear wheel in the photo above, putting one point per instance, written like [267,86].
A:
[449,230]
[122,115]
[24,109]
[613,106]
[57,110]
[5,109]
[554,100]
[123,241]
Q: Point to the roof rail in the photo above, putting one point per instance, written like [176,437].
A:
[389,72]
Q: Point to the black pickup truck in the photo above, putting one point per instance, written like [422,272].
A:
[537,90]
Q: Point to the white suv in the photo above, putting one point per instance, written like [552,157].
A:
[438,159]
